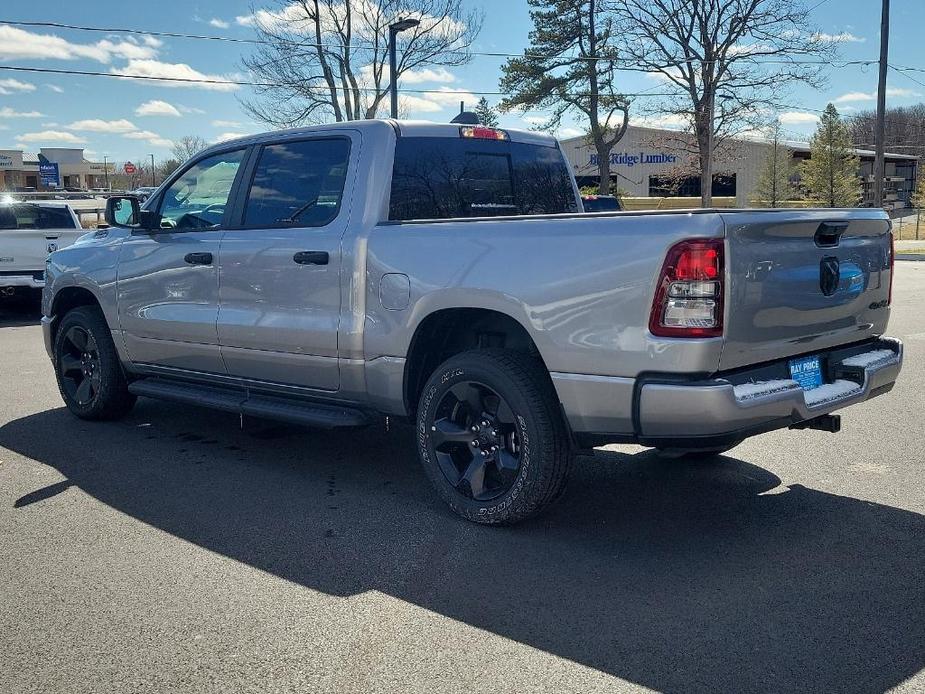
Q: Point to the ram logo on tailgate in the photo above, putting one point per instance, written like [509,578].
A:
[829,275]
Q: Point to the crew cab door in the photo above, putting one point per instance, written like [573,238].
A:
[168,277]
[281,264]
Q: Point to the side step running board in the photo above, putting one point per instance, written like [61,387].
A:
[319,415]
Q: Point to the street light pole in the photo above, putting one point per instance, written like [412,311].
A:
[106,171]
[394,29]
[152,171]
[879,167]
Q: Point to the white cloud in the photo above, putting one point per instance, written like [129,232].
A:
[7,112]
[407,103]
[8,86]
[855,96]
[563,133]
[151,138]
[797,118]
[55,88]
[897,92]
[219,23]
[174,71]
[18,44]
[189,109]
[227,124]
[534,120]
[841,37]
[156,107]
[152,41]
[451,97]
[293,18]
[51,136]
[228,136]
[97,125]
[427,75]
[669,121]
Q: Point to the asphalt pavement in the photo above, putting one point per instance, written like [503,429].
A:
[175,552]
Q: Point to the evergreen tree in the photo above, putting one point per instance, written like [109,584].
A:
[831,175]
[570,68]
[774,186]
[487,115]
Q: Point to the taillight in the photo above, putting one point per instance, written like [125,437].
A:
[889,297]
[689,295]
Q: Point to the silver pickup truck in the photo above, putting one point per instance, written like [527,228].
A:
[448,274]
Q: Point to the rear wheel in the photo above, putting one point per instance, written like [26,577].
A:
[491,437]
[87,367]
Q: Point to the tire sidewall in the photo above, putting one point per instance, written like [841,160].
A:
[514,501]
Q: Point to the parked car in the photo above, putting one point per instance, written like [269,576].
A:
[446,274]
[600,203]
[29,231]
[143,192]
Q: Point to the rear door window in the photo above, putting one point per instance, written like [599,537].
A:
[298,184]
[443,178]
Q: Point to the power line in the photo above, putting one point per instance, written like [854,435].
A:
[246,83]
[369,44]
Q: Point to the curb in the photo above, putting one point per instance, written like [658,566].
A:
[910,256]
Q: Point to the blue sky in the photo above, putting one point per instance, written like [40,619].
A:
[127,119]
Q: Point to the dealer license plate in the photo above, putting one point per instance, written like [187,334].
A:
[807,371]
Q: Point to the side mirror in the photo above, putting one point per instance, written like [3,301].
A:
[122,211]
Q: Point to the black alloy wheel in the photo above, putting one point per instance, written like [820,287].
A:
[475,438]
[79,361]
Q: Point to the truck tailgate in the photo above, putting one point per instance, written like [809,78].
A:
[26,249]
[803,280]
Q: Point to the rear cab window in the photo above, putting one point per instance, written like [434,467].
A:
[453,177]
[32,216]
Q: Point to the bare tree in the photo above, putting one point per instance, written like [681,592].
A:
[570,67]
[727,62]
[324,60]
[905,131]
[186,146]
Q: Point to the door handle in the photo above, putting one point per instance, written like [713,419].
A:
[198,258]
[311,257]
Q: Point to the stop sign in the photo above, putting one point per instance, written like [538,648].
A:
[129,168]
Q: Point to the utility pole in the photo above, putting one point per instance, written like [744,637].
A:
[152,171]
[106,172]
[879,168]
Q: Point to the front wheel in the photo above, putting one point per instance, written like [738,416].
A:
[491,436]
[87,367]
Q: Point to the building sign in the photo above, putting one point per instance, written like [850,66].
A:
[49,174]
[10,159]
[100,168]
[630,160]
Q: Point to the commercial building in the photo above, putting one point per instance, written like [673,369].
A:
[51,168]
[652,162]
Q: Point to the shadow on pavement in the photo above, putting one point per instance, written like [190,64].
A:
[24,308]
[680,577]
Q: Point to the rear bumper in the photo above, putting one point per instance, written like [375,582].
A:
[32,280]
[666,411]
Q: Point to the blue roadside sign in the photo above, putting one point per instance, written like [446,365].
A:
[49,175]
